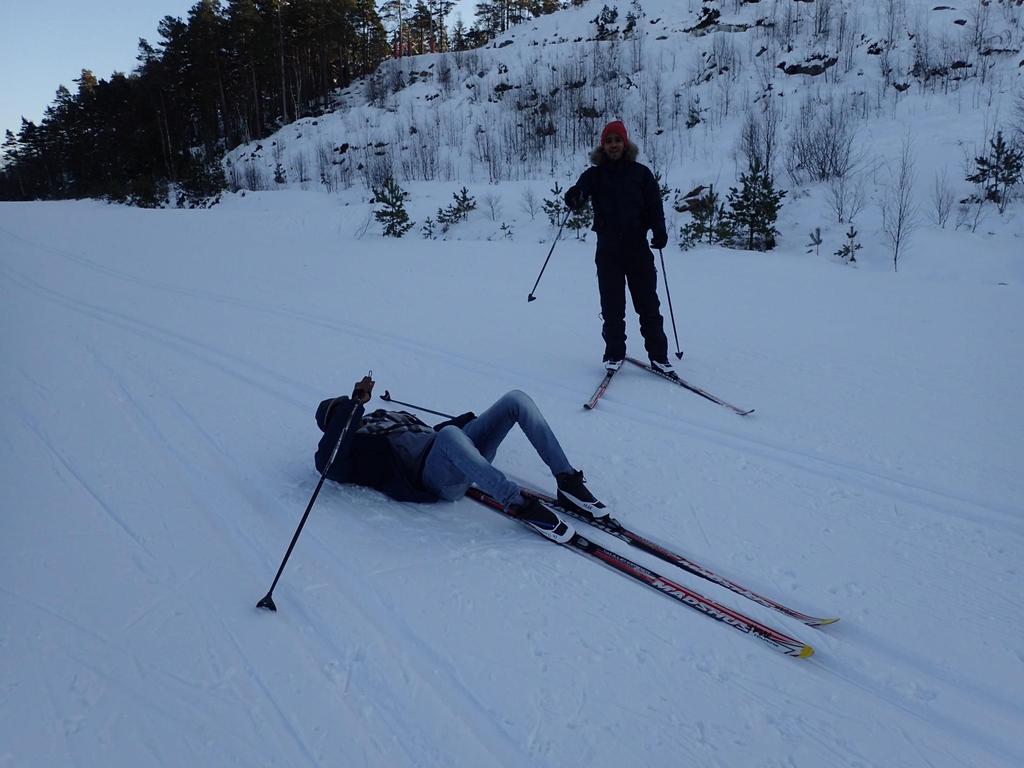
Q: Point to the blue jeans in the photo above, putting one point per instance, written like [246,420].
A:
[462,457]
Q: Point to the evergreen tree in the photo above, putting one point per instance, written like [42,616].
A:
[392,216]
[605,23]
[709,222]
[427,230]
[581,219]
[456,211]
[395,14]
[231,71]
[10,171]
[460,36]
[491,18]
[439,11]
[847,251]
[754,208]
[998,171]
[554,207]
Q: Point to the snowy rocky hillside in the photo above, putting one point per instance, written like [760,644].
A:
[850,80]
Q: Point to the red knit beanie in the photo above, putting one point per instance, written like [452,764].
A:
[617,127]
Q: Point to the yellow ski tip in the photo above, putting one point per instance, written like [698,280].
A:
[806,652]
[826,622]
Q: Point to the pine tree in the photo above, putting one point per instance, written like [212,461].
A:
[848,249]
[709,221]
[1000,170]
[555,207]
[392,216]
[815,243]
[427,230]
[202,182]
[230,71]
[581,219]
[754,208]
[604,22]
[456,211]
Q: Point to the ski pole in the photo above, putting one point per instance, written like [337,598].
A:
[386,397]
[664,274]
[268,599]
[561,226]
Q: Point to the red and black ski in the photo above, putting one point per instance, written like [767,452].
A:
[599,392]
[634,539]
[772,637]
[692,387]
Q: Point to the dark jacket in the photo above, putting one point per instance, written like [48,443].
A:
[625,196]
[385,450]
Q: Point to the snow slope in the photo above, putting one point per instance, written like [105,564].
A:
[161,370]
[160,374]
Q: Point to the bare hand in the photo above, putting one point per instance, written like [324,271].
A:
[363,390]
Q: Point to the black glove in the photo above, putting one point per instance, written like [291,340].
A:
[574,199]
[659,240]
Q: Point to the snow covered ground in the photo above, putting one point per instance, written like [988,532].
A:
[160,373]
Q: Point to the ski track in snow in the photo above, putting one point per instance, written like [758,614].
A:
[886,485]
[893,487]
[380,668]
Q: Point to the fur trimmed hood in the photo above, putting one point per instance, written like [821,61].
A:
[632,151]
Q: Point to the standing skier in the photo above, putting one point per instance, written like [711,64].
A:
[627,203]
[395,452]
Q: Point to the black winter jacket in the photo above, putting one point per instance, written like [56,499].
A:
[385,450]
[625,196]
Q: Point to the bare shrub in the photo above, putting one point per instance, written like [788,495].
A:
[301,164]
[253,177]
[822,145]
[394,75]
[444,74]
[489,153]
[529,203]
[234,177]
[899,211]
[822,18]
[376,93]
[492,201]
[970,213]
[378,168]
[323,166]
[893,21]
[941,199]
[343,172]
[759,136]
[847,197]
[1019,113]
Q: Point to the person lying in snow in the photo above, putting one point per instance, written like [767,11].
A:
[396,453]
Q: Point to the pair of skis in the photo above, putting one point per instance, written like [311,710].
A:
[609,375]
[775,639]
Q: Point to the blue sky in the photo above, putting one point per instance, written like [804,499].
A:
[47,43]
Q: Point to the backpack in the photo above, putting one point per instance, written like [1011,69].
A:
[387,452]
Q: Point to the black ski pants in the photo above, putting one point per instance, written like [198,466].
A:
[621,263]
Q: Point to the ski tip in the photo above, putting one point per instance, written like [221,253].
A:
[806,652]
[823,622]
[588,407]
[746,413]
